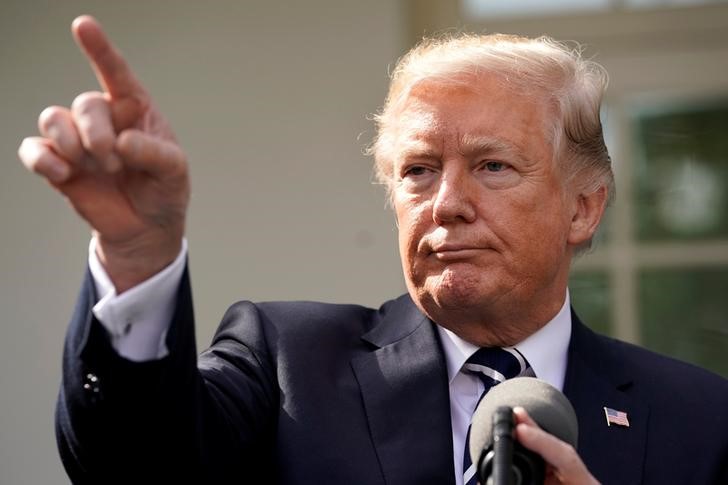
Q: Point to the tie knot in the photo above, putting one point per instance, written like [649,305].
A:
[494,365]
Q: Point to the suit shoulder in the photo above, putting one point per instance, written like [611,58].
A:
[307,318]
[312,313]
[320,334]
[667,373]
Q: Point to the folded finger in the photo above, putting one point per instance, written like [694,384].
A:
[38,156]
[535,439]
[548,446]
[154,155]
[92,117]
[56,124]
[567,465]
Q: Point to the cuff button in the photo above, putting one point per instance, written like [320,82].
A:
[91,383]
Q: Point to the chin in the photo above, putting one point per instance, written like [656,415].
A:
[455,294]
[466,284]
[471,313]
[457,298]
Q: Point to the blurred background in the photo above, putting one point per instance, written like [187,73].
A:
[271,101]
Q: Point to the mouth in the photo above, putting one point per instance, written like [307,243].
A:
[451,252]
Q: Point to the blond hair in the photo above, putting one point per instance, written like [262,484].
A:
[538,66]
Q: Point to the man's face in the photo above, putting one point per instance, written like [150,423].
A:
[484,218]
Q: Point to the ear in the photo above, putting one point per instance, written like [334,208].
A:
[587,215]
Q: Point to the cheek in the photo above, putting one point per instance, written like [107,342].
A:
[543,233]
[410,234]
[412,226]
[529,225]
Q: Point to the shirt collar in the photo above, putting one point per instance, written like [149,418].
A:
[546,350]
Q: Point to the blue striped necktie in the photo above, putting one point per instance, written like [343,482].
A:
[492,365]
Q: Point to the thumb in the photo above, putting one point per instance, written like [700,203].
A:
[156,156]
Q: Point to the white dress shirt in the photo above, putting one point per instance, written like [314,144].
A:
[546,352]
[138,319]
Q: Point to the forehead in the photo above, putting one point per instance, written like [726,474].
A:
[470,112]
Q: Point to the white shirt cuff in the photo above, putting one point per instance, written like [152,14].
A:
[138,319]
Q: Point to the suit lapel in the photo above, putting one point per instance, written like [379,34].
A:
[404,387]
[403,383]
[595,378]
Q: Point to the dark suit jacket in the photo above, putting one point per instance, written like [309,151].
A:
[312,393]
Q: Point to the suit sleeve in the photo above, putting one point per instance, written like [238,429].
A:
[166,420]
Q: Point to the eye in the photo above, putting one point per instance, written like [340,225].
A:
[493,166]
[415,170]
[497,174]
[417,177]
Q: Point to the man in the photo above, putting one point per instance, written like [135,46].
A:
[492,152]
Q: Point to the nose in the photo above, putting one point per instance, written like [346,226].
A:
[454,200]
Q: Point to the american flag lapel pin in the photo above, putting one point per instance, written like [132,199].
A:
[618,418]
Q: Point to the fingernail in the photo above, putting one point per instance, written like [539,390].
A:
[57,172]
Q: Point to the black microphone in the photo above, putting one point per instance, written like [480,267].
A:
[544,403]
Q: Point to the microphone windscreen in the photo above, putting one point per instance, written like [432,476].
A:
[543,402]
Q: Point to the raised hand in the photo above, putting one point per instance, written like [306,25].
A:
[117,162]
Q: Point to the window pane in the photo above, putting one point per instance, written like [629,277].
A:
[684,313]
[488,9]
[681,173]
[592,299]
[608,116]
[668,3]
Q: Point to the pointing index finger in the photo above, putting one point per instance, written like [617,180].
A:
[111,69]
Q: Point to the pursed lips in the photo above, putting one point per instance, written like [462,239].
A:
[454,252]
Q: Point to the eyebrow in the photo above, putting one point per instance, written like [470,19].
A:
[419,149]
[470,144]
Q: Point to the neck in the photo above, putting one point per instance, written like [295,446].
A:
[498,325]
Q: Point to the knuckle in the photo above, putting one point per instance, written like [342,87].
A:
[93,122]
[571,458]
[568,449]
[49,117]
[41,166]
[88,101]
[99,142]
[24,152]
[32,155]
[128,142]
[126,136]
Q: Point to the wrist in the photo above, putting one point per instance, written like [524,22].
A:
[129,263]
